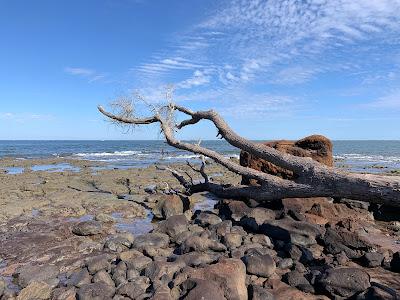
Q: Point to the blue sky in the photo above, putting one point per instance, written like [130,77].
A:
[273,69]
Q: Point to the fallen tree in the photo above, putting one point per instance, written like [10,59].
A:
[311,179]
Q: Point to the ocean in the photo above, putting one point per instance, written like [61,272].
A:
[358,156]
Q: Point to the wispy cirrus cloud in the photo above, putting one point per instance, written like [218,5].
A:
[388,101]
[89,74]
[25,117]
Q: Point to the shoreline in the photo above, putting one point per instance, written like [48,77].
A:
[39,211]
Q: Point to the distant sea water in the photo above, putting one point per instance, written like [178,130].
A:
[359,156]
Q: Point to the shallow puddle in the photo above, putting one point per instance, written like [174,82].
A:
[14,170]
[55,168]
[137,226]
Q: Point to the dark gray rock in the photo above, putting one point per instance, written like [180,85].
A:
[395,262]
[202,289]
[296,232]
[79,278]
[372,259]
[297,280]
[194,259]
[285,263]
[135,289]
[233,240]
[260,265]
[335,244]
[96,291]
[198,243]
[99,262]
[173,226]
[118,243]
[344,282]
[255,217]
[103,276]
[86,228]
[155,239]
[207,219]
[259,293]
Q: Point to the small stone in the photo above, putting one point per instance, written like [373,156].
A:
[262,239]
[260,265]
[372,259]
[233,240]
[64,293]
[260,293]
[79,278]
[86,228]
[37,290]
[118,244]
[99,262]
[103,276]
[197,243]
[285,263]
[135,289]
[155,239]
[297,280]
[104,218]
[96,291]
[207,219]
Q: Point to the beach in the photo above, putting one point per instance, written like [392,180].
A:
[57,214]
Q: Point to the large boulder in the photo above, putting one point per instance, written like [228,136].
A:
[317,147]
[229,275]
[344,282]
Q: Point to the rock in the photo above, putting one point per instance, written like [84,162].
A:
[64,293]
[44,273]
[104,218]
[344,282]
[157,269]
[99,262]
[285,263]
[138,263]
[202,289]
[103,276]
[96,291]
[120,273]
[338,240]
[221,229]
[173,225]
[297,280]
[79,278]
[260,293]
[151,189]
[206,219]
[296,232]
[135,289]
[256,217]
[233,240]
[262,240]
[395,262]
[155,239]
[229,274]
[36,290]
[197,243]
[260,265]
[233,209]
[2,286]
[86,228]
[372,259]
[194,259]
[355,203]
[162,293]
[167,206]
[317,147]
[375,293]
[118,243]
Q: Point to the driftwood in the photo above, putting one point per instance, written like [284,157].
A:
[312,178]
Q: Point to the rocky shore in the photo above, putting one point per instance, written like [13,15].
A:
[96,233]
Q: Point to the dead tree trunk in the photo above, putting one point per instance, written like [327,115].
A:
[312,178]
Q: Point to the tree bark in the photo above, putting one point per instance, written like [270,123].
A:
[312,178]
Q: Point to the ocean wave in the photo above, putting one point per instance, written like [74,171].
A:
[105,154]
[368,158]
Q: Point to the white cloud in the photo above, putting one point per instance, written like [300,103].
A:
[89,74]
[391,101]
[199,78]
[25,117]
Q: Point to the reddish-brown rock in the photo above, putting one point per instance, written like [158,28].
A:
[317,147]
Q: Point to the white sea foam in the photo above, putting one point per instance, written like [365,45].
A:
[368,158]
[105,154]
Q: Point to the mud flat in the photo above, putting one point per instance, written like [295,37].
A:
[74,229]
